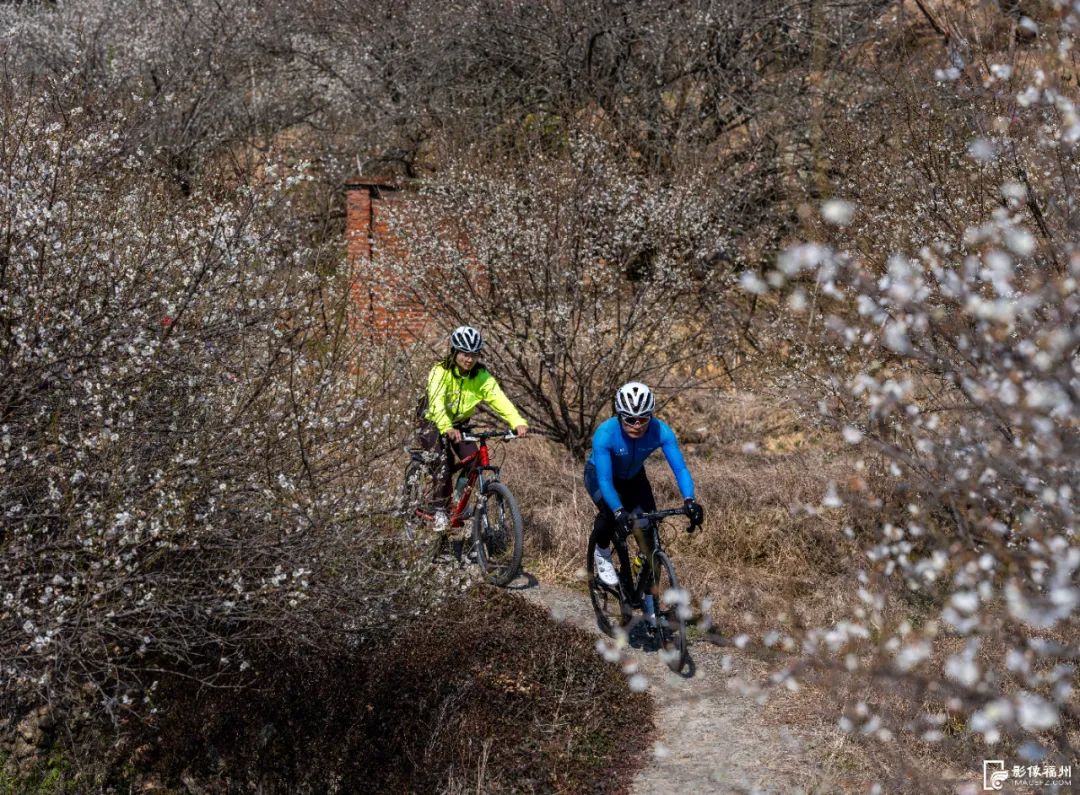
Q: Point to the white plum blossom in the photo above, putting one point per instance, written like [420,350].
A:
[946,351]
[180,419]
[838,212]
[1035,713]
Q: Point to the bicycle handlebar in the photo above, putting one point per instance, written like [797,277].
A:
[469,436]
[664,514]
[643,520]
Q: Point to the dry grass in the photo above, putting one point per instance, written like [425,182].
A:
[763,560]
[756,467]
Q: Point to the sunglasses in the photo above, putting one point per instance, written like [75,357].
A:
[635,422]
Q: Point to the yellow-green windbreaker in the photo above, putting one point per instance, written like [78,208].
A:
[453,397]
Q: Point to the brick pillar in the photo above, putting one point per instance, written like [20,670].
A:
[358,221]
[386,311]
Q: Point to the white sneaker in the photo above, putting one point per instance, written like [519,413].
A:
[604,569]
[442,521]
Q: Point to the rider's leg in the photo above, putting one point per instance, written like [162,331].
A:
[604,523]
[604,529]
[464,449]
[461,451]
[636,492]
[439,458]
[637,495]
[603,532]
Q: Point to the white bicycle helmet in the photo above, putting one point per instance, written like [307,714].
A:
[634,399]
[466,339]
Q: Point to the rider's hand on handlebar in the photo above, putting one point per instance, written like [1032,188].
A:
[624,522]
[521,430]
[695,512]
[454,435]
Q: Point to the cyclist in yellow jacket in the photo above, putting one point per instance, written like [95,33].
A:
[456,386]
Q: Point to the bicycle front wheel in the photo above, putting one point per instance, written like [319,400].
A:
[672,609]
[498,535]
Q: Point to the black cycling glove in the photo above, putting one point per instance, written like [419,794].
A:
[624,522]
[695,512]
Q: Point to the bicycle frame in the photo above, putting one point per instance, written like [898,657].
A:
[644,581]
[477,465]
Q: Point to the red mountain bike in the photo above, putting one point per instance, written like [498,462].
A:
[498,538]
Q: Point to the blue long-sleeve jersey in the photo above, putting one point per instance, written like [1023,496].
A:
[616,455]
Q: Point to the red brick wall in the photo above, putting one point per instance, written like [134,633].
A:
[385,310]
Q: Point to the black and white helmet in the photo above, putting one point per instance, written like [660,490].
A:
[634,399]
[466,339]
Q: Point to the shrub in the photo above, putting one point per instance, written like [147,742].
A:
[486,692]
[949,365]
[180,424]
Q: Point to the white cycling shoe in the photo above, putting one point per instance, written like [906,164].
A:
[604,569]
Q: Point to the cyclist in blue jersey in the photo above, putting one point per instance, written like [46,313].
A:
[615,472]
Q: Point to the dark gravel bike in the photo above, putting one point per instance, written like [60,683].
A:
[644,575]
[497,540]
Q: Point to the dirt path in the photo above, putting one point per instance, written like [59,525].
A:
[711,737]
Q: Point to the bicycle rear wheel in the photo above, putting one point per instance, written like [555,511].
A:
[611,611]
[416,510]
[672,609]
[498,535]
